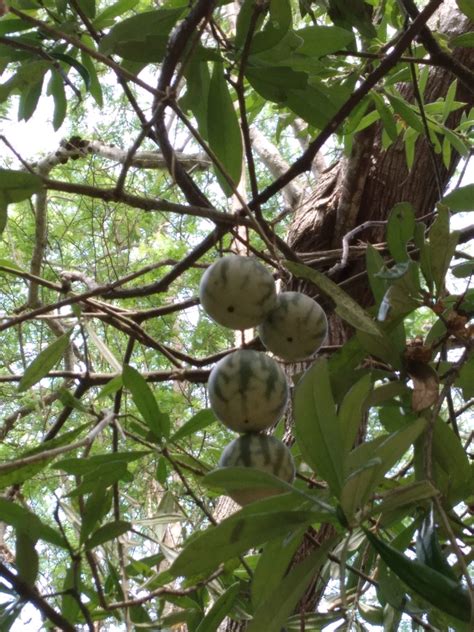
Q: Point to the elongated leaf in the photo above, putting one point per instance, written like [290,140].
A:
[352,410]
[323,40]
[388,450]
[428,549]
[142,37]
[450,455]
[44,362]
[235,535]
[18,185]
[272,614]
[400,230]
[145,402]
[56,89]
[358,486]
[275,29]
[69,605]
[405,495]
[346,307]
[407,112]
[107,532]
[317,429]
[199,421]
[375,263]
[438,590]
[466,7]
[26,557]
[219,610]
[28,523]
[442,246]
[461,199]
[97,463]
[273,564]
[223,129]
[96,507]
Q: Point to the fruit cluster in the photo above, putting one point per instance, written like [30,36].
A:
[248,390]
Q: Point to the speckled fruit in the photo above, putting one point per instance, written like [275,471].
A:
[295,328]
[248,391]
[237,292]
[264,453]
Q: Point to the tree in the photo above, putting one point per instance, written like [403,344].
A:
[276,129]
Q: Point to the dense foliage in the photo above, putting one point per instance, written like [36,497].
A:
[193,131]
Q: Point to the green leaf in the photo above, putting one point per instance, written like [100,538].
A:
[273,564]
[317,103]
[199,421]
[26,557]
[274,83]
[449,454]
[465,40]
[438,590]
[95,87]
[111,387]
[346,307]
[323,40]
[231,478]
[114,10]
[236,534]
[3,211]
[29,98]
[407,113]
[97,506]
[220,609]
[56,90]
[400,230]
[272,614]
[196,97]
[369,462]
[88,7]
[24,521]
[317,428]
[146,403]
[97,463]
[143,37]
[71,61]
[277,26]
[466,7]
[44,362]
[352,410]
[223,129]
[107,532]
[404,495]
[69,606]
[428,549]
[442,246]
[403,296]
[465,380]
[374,263]
[18,185]
[461,199]
[386,116]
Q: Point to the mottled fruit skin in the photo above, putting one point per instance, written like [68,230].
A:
[264,453]
[248,391]
[295,328]
[237,292]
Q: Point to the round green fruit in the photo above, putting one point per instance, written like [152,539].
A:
[295,328]
[248,391]
[263,452]
[237,292]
